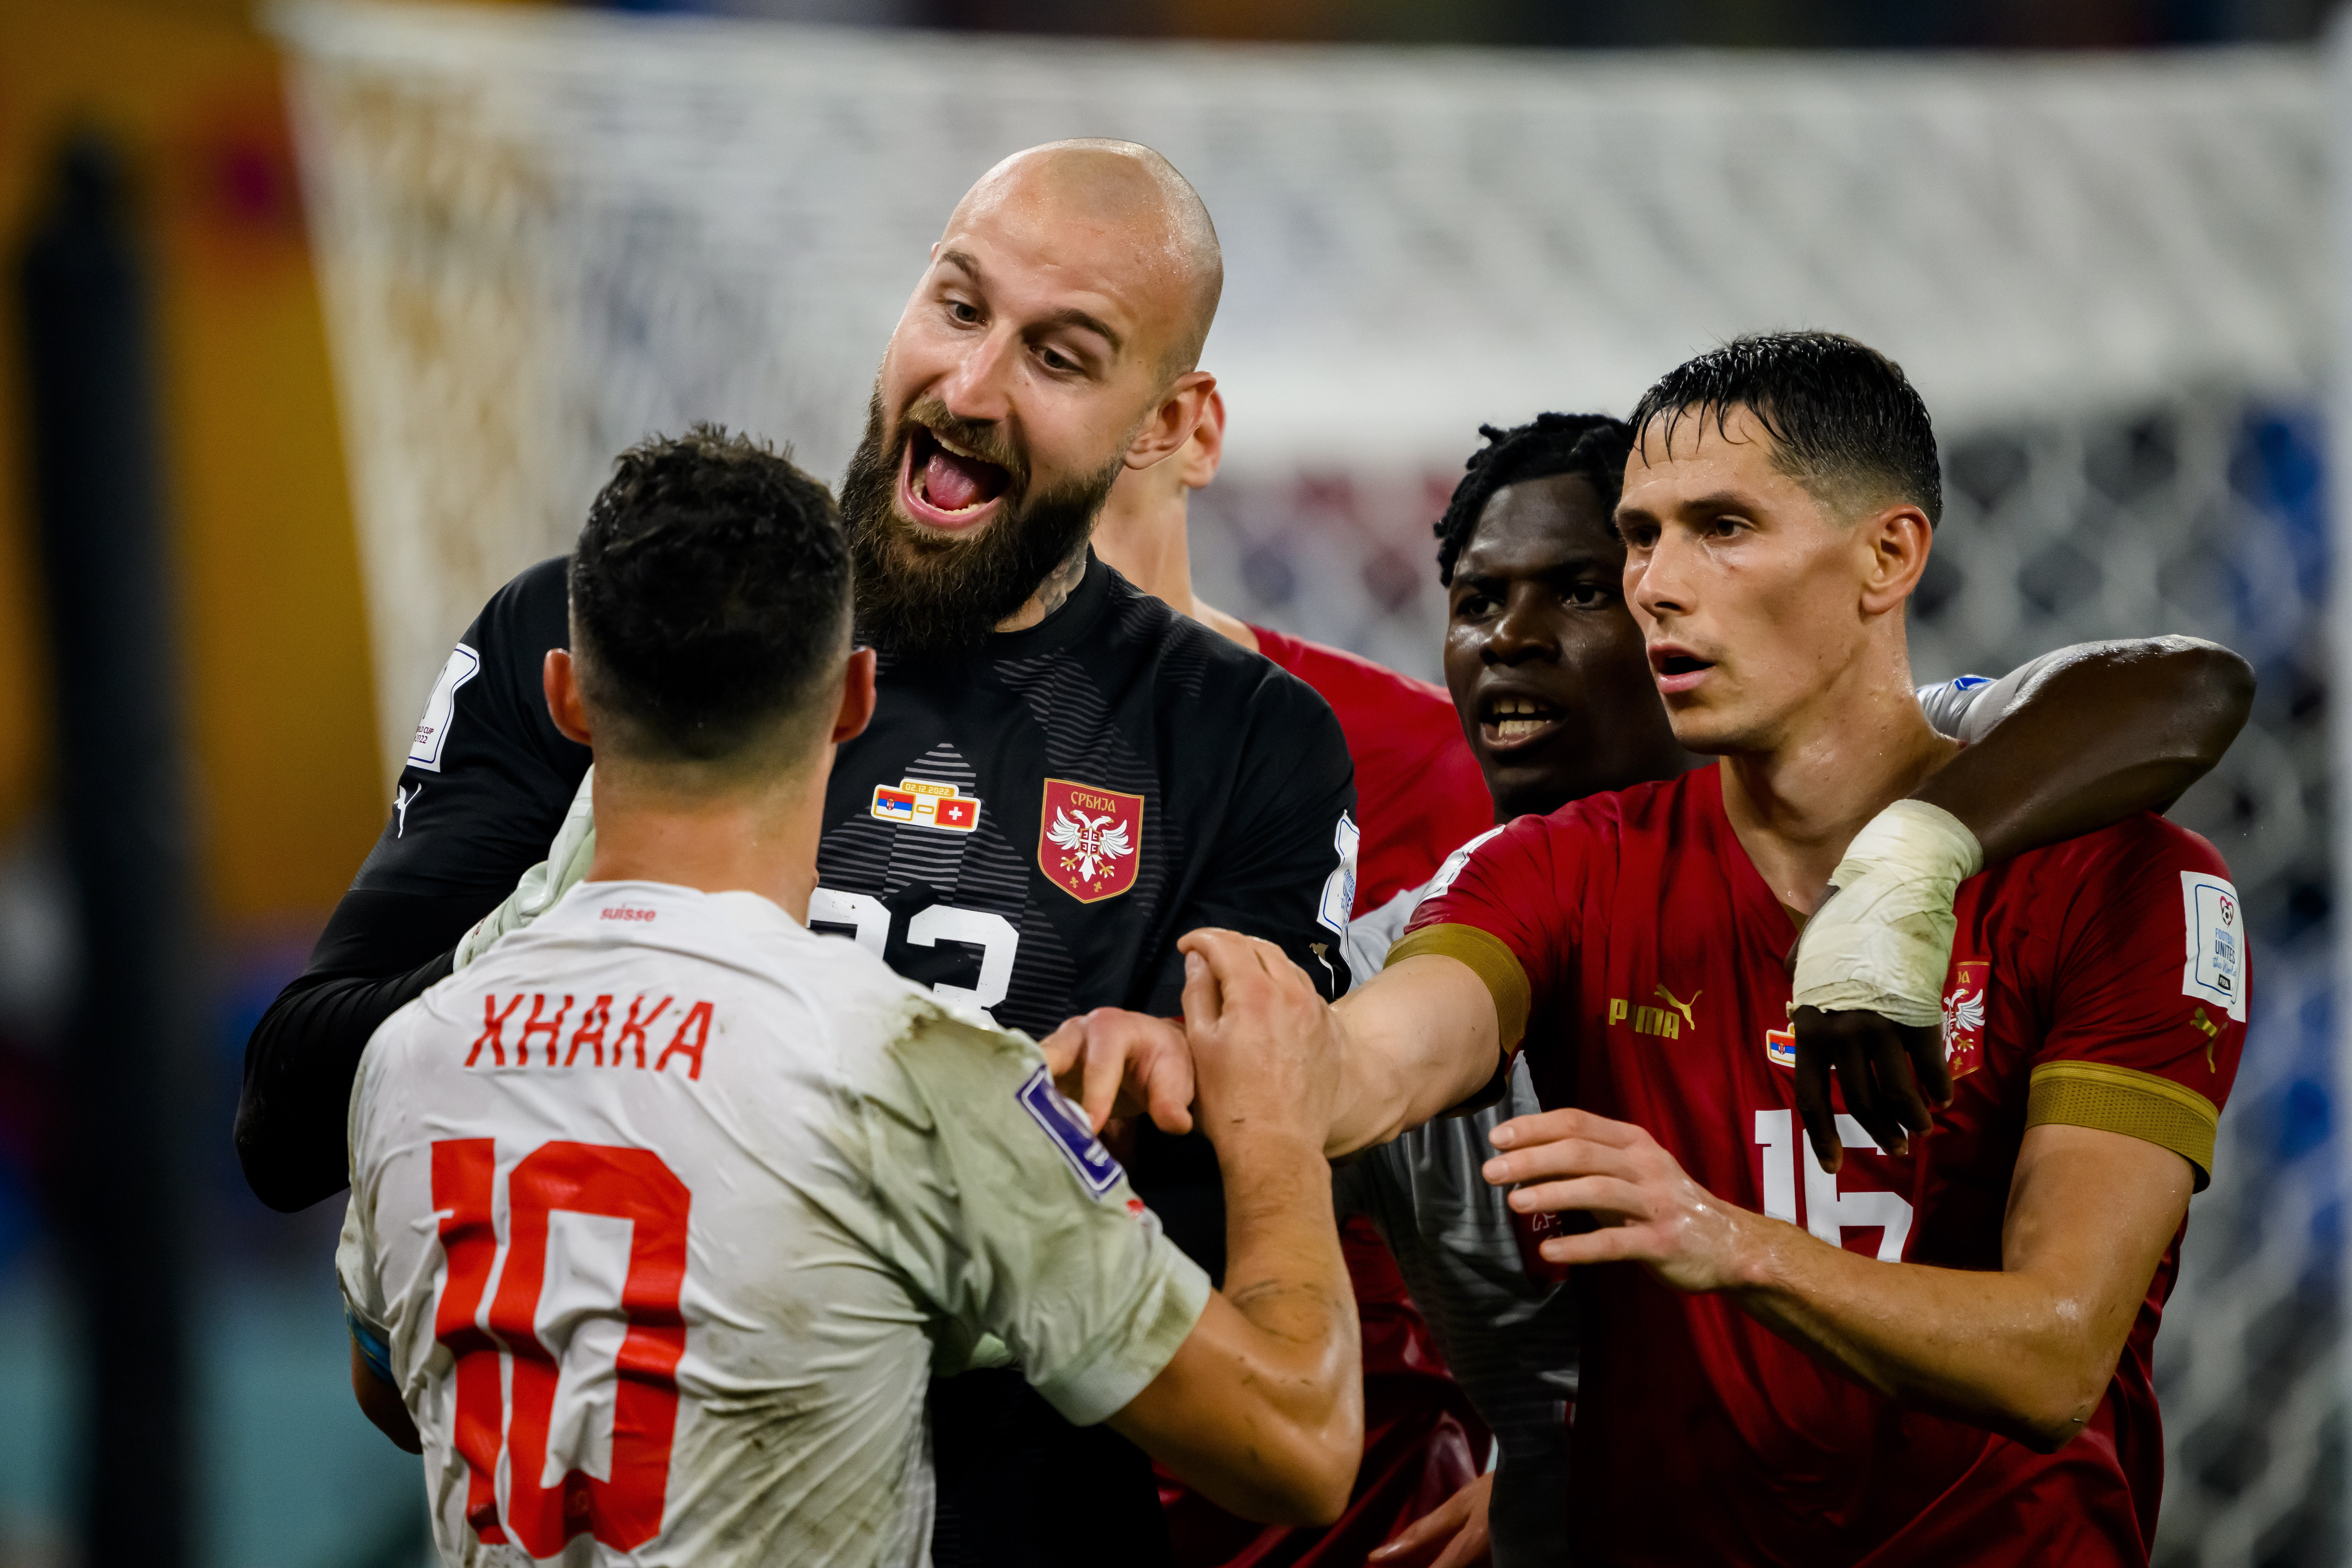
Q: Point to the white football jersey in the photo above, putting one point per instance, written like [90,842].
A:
[664,1209]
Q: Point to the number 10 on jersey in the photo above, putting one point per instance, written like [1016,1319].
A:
[625,1512]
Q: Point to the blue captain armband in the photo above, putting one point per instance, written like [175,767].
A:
[372,1347]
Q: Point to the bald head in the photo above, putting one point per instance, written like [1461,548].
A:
[1127,190]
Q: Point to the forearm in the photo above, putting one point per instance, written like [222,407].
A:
[1262,1409]
[1284,1268]
[2125,727]
[298,1066]
[1417,1042]
[2026,1351]
[2001,1350]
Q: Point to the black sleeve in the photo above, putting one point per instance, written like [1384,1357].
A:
[1278,864]
[483,793]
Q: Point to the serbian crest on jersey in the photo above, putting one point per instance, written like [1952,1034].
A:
[1088,839]
[1964,1015]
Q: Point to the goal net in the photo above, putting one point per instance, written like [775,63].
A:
[545,234]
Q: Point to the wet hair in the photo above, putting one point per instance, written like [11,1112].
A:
[1845,422]
[1593,446]
[709,594]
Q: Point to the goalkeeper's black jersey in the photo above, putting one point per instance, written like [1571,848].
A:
[1033,823]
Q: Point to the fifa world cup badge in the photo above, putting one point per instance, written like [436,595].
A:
[1089,840]
[1964,1015]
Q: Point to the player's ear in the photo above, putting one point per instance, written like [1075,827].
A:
[561,680]
[1201,454]
[857,709]
[1172,424]
[1896,539]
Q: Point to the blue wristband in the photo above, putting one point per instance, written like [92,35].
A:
[372,1347]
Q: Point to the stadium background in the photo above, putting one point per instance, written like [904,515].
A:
[398,332]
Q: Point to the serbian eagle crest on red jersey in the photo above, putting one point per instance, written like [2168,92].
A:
[1964,1015]
[1088,839]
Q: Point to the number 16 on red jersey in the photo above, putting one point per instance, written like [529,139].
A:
[1829,1212]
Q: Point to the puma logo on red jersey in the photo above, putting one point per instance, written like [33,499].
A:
[1665,1022]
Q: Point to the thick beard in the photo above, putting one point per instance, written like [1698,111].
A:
[922,592]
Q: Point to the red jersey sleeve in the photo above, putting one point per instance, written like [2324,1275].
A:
[2149,990]
[1507,906]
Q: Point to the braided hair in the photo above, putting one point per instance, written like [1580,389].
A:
[1590,445]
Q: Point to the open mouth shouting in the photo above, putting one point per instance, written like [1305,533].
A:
[1677,668]
[944,486]
[1509,721]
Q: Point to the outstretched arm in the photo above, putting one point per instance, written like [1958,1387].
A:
[2027,1351]
[2074,742]
[1418,1040]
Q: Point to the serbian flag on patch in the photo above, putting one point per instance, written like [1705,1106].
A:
[893,804]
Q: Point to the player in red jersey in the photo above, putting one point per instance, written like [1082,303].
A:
[1939,1350]
[1418,793]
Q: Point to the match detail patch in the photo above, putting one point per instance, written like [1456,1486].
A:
[1065,1124]
[920,802]
[2216,969]
[433,730]
[1781,1047]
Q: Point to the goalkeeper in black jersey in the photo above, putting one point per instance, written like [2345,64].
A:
[1061,777]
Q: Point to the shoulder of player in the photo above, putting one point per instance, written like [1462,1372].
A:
[1587,832]
[1380,708]
[2143,844]
[533,607]
[1196,666]
[1336,671]
[1615,813]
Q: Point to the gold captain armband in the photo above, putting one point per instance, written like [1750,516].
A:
[1489,959]
[2126,1100]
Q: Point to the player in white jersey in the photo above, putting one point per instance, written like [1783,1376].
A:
[664,1210]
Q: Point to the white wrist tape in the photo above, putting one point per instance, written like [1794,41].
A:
[1883,940]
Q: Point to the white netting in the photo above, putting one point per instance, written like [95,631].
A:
[544,234]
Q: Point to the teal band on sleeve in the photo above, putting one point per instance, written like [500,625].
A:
[373,1350]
